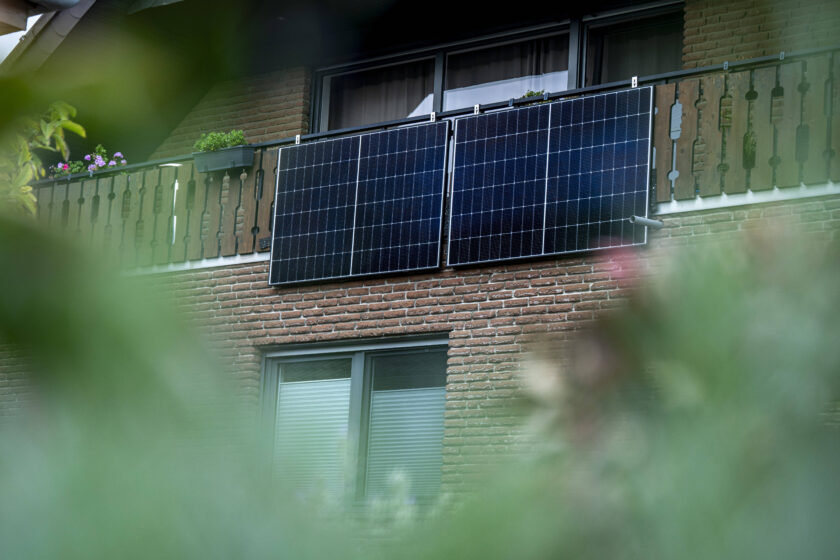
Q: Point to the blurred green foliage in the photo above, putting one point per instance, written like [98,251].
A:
[689,424]
[20,162]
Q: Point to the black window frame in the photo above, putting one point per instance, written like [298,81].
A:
[577,29]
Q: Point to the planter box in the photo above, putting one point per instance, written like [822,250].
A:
[228,158]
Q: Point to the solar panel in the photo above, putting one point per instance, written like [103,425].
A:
[359,205]
[551,178]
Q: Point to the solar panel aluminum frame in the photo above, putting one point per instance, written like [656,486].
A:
[441,211]
[543,254]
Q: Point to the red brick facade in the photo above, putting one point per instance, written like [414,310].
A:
[490,314]
[718,31]
[266,107]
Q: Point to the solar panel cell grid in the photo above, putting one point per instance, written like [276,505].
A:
[551,178]
[359,205]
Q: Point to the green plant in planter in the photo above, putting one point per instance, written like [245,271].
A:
[531,93]
[216,151]
[212,141]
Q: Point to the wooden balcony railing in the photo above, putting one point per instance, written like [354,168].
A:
[722,132]
[166,213]
[729,132]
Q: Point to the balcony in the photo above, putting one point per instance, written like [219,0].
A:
[761,126]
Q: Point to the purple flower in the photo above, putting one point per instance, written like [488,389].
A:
[87,157]
[92,167]
[123,162]
[118,155]
[112,163]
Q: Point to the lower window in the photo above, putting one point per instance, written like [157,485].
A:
[358,422]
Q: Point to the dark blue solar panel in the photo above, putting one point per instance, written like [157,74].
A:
[551,178]
[400,203]
[314,209]
[359,205]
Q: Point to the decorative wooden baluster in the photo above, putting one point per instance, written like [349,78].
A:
[60,206]
[761,125]
[116,218]
[183,199]
[44,197]
[71,208]
[86,210]
[738,149]
[77,204]
[787,119]
[684,183]
[707,162]
[163,211]
[812,134]
[664,100]
[150,193]
[231,197]
[266,202]
[246,213]
[212,216]
[133,225]
[197,215]
[100,206]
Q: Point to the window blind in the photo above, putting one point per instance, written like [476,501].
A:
[311,435]
[406,437]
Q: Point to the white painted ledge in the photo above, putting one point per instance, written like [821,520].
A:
[203,263]
[750,197]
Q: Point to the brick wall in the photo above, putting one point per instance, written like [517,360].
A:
[16,390]
[266,107]
[490,314]
[717,31]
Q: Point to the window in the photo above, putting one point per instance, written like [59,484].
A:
[346,420]
[639,41]
[491,74]
[380,94]
[638,48]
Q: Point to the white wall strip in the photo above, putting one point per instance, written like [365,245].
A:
[203,263]
[750,197]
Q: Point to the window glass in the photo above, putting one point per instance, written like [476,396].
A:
[312,425]
[405,434]
[507,71]
[642,48]
[381,94]
[315,370]
[401,394]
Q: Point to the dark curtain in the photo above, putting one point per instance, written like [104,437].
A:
[641,49]
[378,95]
[528,58]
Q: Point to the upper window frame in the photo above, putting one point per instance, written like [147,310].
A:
[577,29]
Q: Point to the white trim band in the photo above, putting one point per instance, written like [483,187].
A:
[744,199]
[203,263]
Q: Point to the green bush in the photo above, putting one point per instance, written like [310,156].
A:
[210,142]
